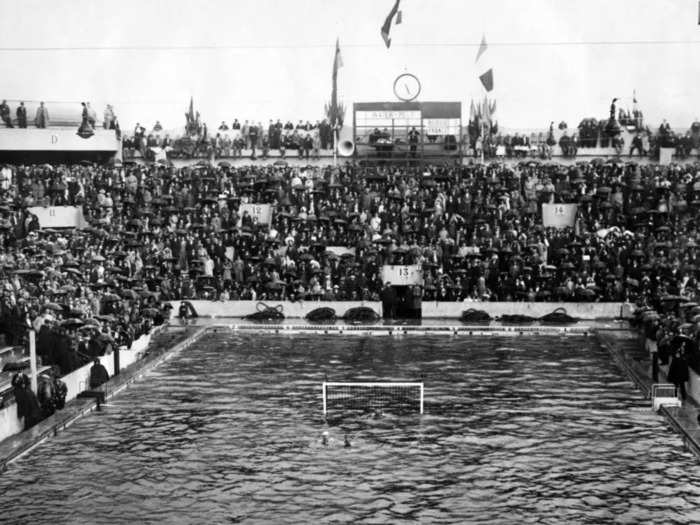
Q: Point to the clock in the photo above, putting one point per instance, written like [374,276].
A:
[407,87]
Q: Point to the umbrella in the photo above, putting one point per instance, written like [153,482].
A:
[54,306]
[72,323]
[74,271]
[110,298]
[150,312]
[129,294]
[30,274]
[672,298]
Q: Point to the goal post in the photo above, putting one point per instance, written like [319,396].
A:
[372,395]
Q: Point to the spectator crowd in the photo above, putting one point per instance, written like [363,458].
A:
[157,233]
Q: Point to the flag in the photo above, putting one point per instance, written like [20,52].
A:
[486,72]
[338,60]
[387,24]
[482,48]
[337,64]
[487,80]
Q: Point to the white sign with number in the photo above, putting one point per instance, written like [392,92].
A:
[261,213]
[559,215]
[405,275]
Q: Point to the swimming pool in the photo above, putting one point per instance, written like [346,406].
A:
[515,430]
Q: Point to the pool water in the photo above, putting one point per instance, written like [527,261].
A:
[515,430]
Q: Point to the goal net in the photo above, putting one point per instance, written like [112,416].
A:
[394,397]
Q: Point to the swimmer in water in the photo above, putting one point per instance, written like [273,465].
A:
[324,438]
[347,442]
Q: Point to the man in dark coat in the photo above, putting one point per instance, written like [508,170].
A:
[45,343]
[27,402]
[21,115]
[389,300]
[98,374]
[5,114]
[678,372]
[66,357]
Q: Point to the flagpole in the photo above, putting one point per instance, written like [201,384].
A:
[335,146]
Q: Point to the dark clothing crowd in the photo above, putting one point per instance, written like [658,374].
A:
[50,397]
[161,233]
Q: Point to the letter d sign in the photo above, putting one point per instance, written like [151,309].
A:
[54,139]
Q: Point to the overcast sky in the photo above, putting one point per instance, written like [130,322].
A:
[552,59]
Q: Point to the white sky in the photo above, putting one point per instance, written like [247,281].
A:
[272,59]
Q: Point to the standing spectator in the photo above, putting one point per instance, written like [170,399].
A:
[637,144]
[271,134]
[265,146]
[108,118]
[413,138]
[252,139]
[308,144]
[5,114]
[27,404]
[41,120]
[678,372]
[244,133]
[21,115]
[98,374]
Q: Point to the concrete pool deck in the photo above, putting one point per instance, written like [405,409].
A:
[627,351]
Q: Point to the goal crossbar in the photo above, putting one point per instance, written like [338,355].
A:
[371,385]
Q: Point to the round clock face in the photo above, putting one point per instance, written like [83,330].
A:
[406,87]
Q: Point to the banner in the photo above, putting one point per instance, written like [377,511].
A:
[441,126]
[261,213]
[59,216]
[559,215]
[402,275]
[340,250]
[666,156]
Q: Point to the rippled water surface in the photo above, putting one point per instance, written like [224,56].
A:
[515,430]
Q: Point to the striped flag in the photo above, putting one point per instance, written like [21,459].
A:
[486,76]
[482,48]
[386,28]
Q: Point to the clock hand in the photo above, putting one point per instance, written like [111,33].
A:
[407,90]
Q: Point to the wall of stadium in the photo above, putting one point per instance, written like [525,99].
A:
[430,310]
[57,139]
